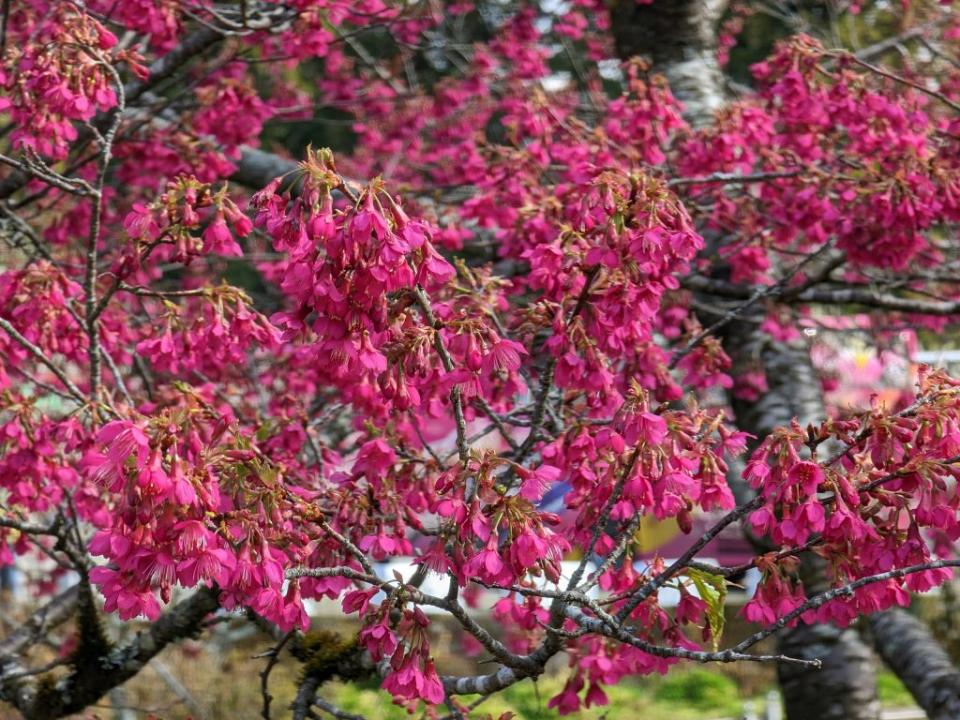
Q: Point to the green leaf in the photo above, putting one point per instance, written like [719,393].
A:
[264,432]
[618,222]
[712,589]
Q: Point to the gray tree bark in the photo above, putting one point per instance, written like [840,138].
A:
[257,168]
[680,37]
[97,667]
[910,651]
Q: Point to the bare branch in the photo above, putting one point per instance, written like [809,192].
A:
[856,295]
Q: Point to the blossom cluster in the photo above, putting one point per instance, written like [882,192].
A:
[469,342]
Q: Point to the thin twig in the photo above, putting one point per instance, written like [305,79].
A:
[274,656]
[39,355]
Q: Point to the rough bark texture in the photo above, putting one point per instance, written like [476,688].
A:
[910,651]
[96,666]
[845,686]
[679,37]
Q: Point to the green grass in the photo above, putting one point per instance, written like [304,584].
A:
[699,690]
[892,692]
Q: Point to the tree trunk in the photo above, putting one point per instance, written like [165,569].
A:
[910,651]
[679,37]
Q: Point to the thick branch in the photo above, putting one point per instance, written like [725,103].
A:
[257,168]
[680,37]
[908,648]
[96,676]
[826,296]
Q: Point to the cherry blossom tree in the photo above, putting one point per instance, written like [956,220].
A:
[235,380]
